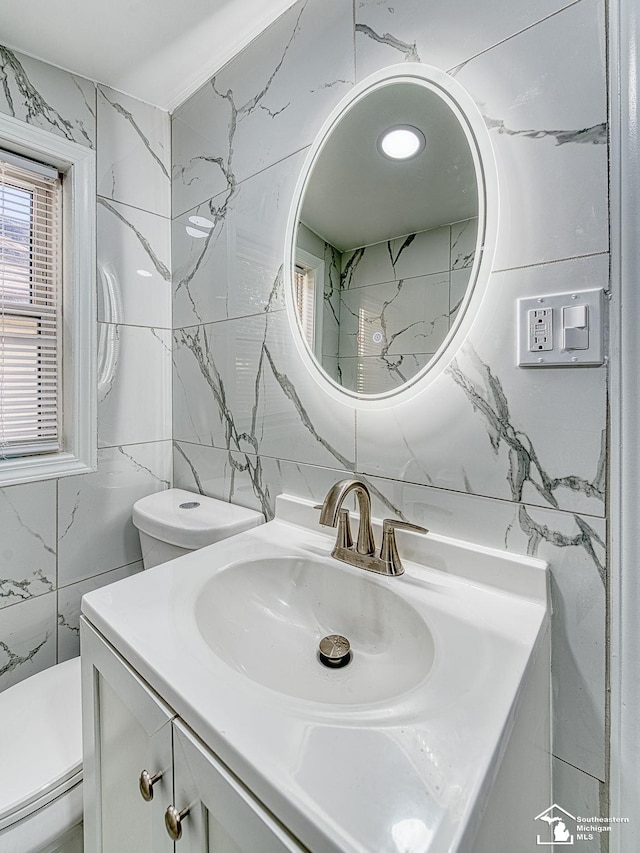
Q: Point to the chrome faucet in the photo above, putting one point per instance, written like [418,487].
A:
[363,554]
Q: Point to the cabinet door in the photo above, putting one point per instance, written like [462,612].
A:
[126,729]
[223,816]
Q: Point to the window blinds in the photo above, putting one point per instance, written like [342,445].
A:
[30,285]
[305,300]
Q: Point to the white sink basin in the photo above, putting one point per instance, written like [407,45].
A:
[399,750]
[265,618]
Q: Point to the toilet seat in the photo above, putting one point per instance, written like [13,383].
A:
[41,743]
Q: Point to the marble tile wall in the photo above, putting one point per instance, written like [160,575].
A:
[487,451]
[59,539]
[397,304]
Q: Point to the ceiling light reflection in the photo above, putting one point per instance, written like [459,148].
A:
[411,836]
[401,142]
[194,232]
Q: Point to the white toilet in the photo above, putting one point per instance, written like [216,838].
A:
[40,718]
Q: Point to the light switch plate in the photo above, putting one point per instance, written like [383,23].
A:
[535,351]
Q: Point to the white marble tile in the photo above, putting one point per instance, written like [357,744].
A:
[134,384]
[227,253]
[246,479]
[95,532]
[276,93]
[134,157]
[48,97]
[239,384]
[374,375]
[459,281]
[69,608]
[405,257]
[134,266]
[543,97]
[395,318]
[464,236]
[574,547]
[28,541]
[416,31]
[27,638]
[489,427]
[583,796]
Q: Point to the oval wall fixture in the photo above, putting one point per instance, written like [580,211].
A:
[387,255]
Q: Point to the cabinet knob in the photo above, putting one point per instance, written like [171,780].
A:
[147,781]
[173,821]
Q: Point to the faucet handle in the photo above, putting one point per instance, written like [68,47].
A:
[344,538]
[389,550]
[390,524]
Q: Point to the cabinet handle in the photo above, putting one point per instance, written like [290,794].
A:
[173,821]
[146,784]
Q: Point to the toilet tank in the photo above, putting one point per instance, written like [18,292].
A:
[175,522]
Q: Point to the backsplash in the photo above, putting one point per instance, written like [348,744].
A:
[487,451]
[62,538]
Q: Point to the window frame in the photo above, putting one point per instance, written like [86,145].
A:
[78,399]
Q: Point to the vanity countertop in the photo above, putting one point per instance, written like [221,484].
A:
[389,774]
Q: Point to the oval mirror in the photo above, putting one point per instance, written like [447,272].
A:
[387,230]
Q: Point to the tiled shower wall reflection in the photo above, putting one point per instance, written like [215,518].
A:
[60,539]
[487,451]
[398,301]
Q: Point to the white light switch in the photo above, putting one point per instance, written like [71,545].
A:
[575,327]
[561,329]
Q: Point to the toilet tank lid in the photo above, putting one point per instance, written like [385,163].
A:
[171,516]
[40,736]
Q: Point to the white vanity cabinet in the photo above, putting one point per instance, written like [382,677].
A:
[128,729]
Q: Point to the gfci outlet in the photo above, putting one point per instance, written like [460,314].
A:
[563,329]
[540,329]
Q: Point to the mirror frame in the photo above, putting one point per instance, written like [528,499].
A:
[474,127]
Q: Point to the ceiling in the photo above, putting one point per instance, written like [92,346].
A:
[356,197]
[157,50]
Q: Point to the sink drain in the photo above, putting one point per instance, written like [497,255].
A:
[334,651]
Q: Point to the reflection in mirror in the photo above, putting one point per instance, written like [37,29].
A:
[385,247]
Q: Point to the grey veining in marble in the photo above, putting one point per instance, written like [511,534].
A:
[47,97]
[134,276]
[124,474]
[239,385]
[414,31]
[487,397]
[28,549]
[279,88]
[27,638]
[228,251]
[496,429]
[543,95]
[134,152]
[69,607]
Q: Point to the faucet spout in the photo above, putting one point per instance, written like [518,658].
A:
[333,503]
[363,554]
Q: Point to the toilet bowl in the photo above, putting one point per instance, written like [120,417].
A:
[41,717]
[41,760]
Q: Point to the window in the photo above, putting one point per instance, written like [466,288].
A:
[305,282]
[308,281]
[30,291]
[47,305]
